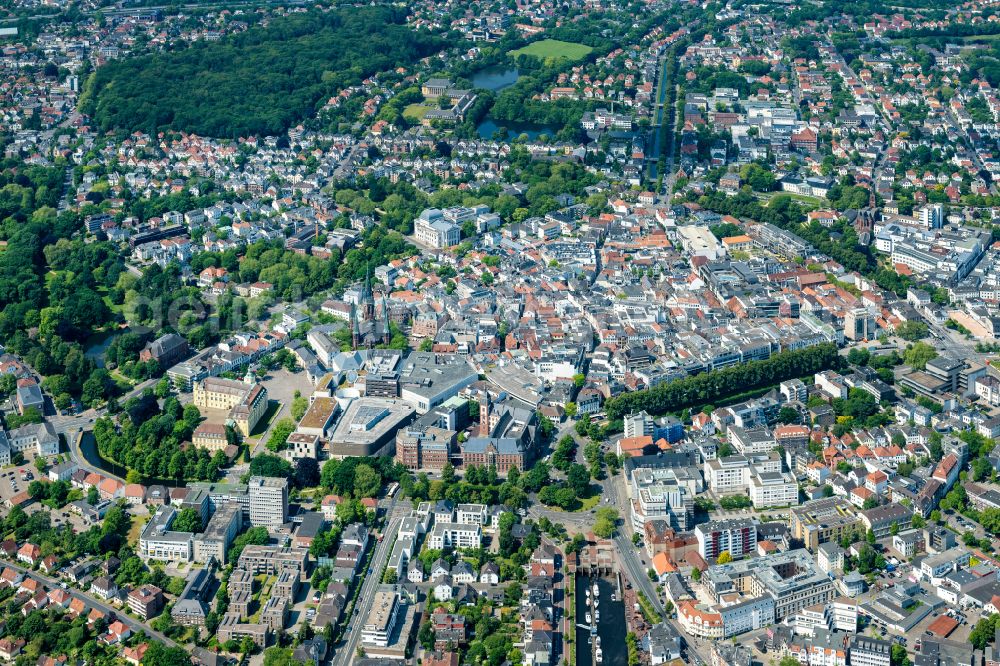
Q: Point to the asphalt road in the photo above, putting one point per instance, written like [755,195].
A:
[133,624]
[345,654]
[953,343]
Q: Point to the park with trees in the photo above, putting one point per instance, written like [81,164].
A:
[712,387]
[257,82]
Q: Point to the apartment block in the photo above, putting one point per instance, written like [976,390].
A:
[738,537]
[381,619]
[455,535]
[773,489]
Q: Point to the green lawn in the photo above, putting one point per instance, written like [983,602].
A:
[273,407]
[979,39]
[808,202]
[553,49]
[415,112]
[134,530]
[583,504]
[106,297]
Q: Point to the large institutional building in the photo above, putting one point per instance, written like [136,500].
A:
[245,402]
[754,593]
[268,501]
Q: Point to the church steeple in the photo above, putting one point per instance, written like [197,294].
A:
[367,297]
[355,328]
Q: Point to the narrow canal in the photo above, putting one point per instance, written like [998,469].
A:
[609,617]
[88,448]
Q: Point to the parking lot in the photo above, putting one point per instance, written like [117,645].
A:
[960,634]
[12,482]
[281,385]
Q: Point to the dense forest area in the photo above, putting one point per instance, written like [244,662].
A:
[51,286]
[258,82]
[860,10]
[984,63]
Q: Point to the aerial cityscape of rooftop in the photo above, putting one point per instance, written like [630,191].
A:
[527,333]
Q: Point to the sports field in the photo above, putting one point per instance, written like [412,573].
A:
[554,49]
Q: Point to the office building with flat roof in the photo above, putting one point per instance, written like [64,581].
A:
[790,579]
[220,493]
[272,559]
[158,542]
[230,628]
[220,531]
[146,601]
[268,501]
[773,489]
[822,520]
[426,379]
[318,419]
[381,619]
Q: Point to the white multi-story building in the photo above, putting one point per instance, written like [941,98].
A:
[789,580]
[751,440]
[268,501]
[432,229]
[748,615]
[38,436]
[727,475]
[638,424]
[455,535]
[737,537]
[831,383]
[988,388]
[700,621]
[662,493]
[471,514]
[941,564]
[158,542]
[842,615]
[732,473]
[773,489]
[794,389]
[931,216]
[381,619]
[869,652]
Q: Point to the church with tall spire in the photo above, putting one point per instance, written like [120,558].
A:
[367,330]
